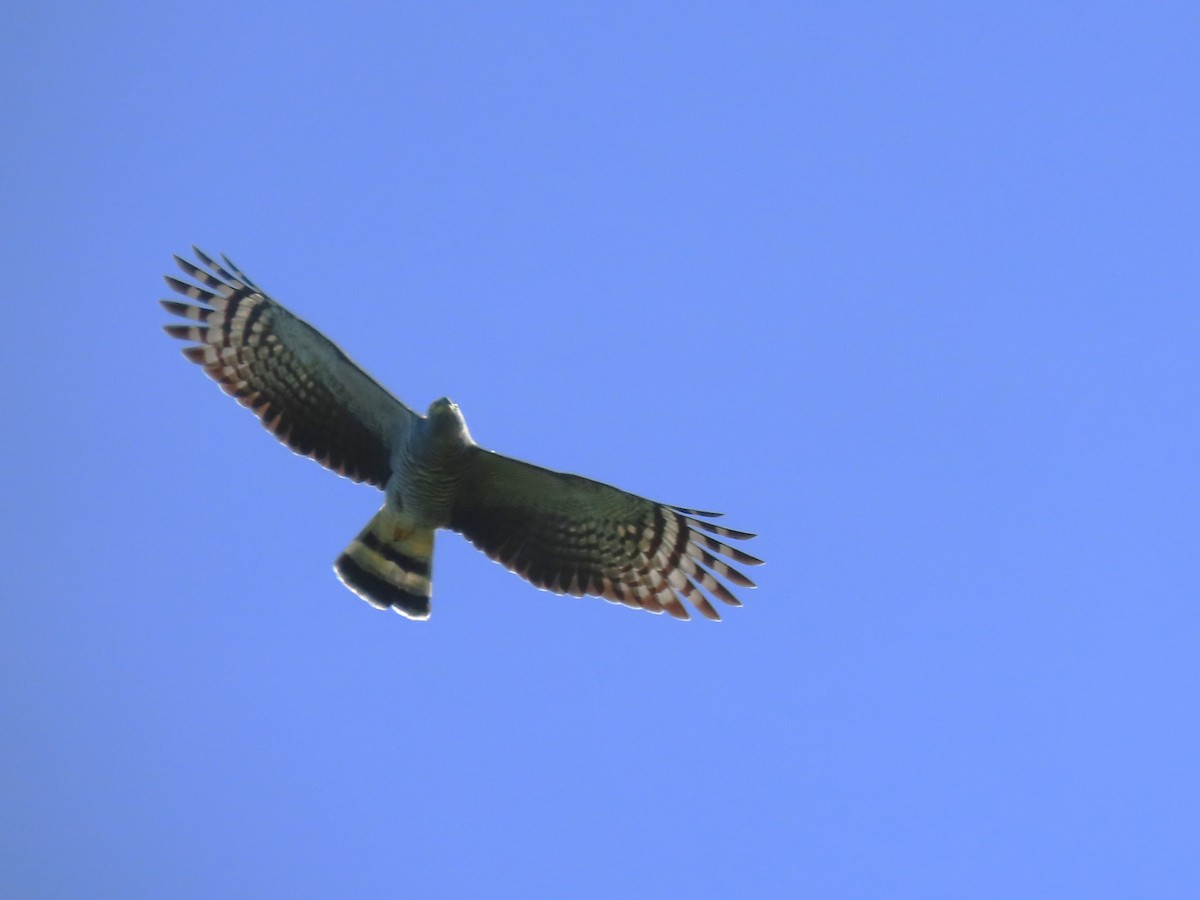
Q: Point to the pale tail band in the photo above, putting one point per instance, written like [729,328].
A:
[390,565]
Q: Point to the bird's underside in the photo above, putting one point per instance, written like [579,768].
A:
[563,533]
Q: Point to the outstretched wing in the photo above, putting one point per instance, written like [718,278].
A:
[305,390]
[571,535]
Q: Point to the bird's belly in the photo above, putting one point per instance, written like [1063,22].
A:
[424,494]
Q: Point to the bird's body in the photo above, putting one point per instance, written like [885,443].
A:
[561,532]
[427,464]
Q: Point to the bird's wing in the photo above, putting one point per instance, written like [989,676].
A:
[572,535]
[301,385]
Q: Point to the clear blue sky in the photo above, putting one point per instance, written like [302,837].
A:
[910,290]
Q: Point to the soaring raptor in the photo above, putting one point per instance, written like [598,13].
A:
[564,533]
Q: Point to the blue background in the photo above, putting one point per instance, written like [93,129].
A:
[911,290]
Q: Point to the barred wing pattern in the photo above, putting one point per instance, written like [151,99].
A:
[572,535]
[305,390]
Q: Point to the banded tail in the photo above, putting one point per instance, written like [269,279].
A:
[389,565]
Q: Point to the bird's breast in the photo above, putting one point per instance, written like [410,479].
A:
[425,478]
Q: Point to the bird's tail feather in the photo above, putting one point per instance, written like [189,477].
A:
[389,565]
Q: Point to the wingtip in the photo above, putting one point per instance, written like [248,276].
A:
[207,260]
[697,512]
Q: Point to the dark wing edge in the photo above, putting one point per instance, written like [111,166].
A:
[571,535]
[302,386]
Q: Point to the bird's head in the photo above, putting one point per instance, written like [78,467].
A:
[447,420]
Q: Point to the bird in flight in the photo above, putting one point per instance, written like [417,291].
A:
[563,533]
